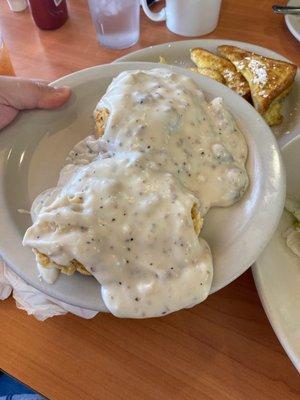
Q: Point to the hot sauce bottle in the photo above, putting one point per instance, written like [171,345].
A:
[49,14]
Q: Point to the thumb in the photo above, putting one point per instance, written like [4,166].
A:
[27,94]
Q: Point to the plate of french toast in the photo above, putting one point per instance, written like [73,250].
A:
[149,190]
[267,80]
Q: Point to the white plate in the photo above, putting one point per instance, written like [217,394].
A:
[177,53]
[34,147]
[293,21]
[277,271]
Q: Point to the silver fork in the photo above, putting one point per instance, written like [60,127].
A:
[286,9]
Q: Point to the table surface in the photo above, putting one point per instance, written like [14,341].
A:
[222,349]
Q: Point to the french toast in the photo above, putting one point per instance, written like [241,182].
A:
[205,61]
[269,80]
[210,73]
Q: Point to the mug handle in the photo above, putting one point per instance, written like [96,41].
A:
[159,16]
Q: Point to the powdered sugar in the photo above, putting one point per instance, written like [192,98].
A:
[259,71]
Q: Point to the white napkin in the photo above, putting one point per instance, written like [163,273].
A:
[35,303]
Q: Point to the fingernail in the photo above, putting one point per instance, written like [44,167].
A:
[62,89]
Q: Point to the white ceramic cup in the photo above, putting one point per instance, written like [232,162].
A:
[187,17]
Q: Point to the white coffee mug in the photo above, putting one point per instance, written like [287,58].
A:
[187,17]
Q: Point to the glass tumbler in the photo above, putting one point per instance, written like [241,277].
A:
[117,22]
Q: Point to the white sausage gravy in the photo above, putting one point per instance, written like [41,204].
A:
[123,203]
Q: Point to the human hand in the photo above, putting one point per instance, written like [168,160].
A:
[22,94]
